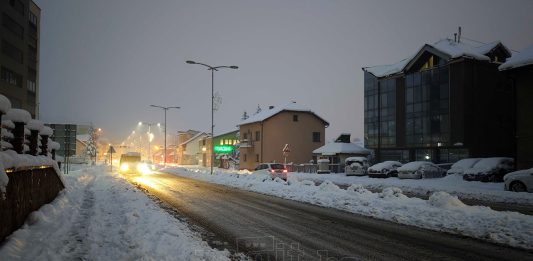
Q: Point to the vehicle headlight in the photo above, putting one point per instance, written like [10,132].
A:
[143,168]
[124,167]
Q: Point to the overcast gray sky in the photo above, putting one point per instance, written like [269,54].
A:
[106,61]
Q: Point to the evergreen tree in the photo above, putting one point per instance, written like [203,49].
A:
[91,144]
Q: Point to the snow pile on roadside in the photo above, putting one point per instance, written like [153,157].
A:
[453,184]
[100,216]
[443,212]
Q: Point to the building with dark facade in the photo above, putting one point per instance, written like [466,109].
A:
[448,101]
[519,72]
[19,55]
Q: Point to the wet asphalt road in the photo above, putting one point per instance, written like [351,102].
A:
[270,228]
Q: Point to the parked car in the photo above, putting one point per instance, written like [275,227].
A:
[384,169]
[460,166]
[519,181]
[420,170]
[273,169]
[130,162]
[356,166]
[489,170]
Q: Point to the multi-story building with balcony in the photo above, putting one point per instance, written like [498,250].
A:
[19,55]
[448,101]
[265,135]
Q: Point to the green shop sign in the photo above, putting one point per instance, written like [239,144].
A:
[223,148]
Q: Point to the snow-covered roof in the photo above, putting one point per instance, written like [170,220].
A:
[193,138]
[267,113]
[519,60]
[83,137]
[334,148]
[447,47]
[18,115]
[5,104]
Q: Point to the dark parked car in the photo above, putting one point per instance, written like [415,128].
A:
[489,170]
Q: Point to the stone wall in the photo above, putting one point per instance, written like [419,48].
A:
[26,192]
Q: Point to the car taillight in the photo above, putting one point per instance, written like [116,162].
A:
[273,171]
[285,171]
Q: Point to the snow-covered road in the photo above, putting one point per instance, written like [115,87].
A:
[100,216]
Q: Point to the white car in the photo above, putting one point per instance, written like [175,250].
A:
[458,168]
[356,166]
[519,181]
[272,169]
[384,169]
[420,170]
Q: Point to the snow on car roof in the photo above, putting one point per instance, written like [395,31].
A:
[465,163]
[415,165]
[384,165]
[492,162]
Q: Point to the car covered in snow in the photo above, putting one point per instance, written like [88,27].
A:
[384,169]
[356,166]
[130,162]
[272,169]
[459,167]
[489,169]
[519,181]
[420,170]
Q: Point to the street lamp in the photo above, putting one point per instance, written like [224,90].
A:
[150,135]
[165,109]
[213,69]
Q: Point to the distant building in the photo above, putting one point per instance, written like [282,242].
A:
[519,70]
[264,135]
[448,101]
[225,148]
[339,150]
[67,137]
[193,151]
[19,56]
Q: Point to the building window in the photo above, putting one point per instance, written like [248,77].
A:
[11,77]
[12,51]
[31,86]
[294,117]
[244,157]
[427,107]
[316,136]
[256,157]
[380,111]
[32,19]
[12,26]
[257,136]
[245,136]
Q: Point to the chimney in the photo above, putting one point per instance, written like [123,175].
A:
[459,35]
[455,37]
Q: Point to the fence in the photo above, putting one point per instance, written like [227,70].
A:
[312,168]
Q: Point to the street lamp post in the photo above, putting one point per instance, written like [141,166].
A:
[165,109]
[149,137]
[213,69]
